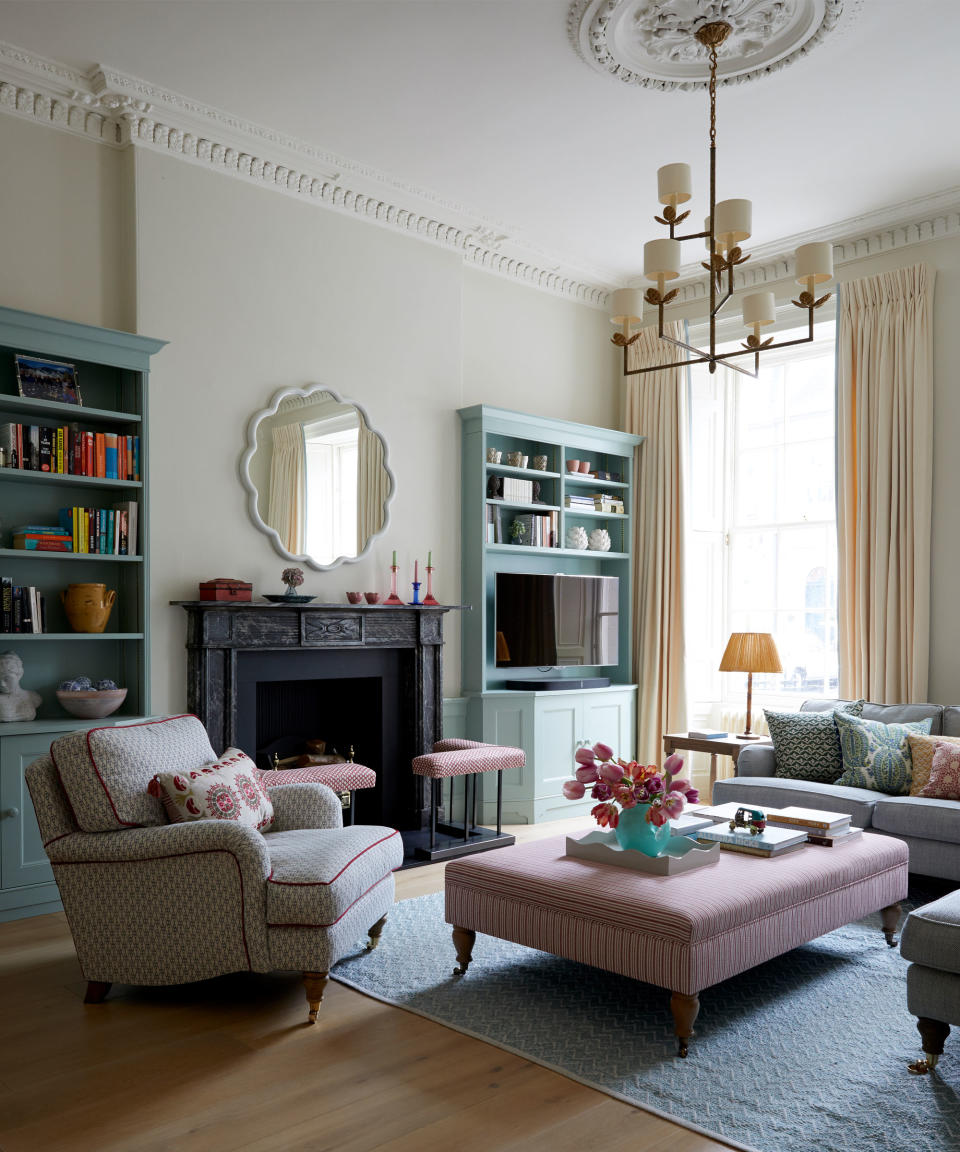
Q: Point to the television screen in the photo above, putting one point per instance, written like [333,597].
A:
[553,621]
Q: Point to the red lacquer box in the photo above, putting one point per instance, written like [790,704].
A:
[239,591]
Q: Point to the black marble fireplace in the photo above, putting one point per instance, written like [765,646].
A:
[366,677]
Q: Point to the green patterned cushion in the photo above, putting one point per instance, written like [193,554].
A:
[806,744]
[877,756]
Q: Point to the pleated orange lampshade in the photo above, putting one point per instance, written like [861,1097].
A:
[750,652]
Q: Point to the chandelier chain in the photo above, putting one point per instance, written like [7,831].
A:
[713,95]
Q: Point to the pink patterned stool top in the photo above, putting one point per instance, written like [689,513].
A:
[464,757]
[339,777]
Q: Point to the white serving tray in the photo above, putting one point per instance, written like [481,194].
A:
[682,854]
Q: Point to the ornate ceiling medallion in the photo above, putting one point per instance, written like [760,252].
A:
[652,42]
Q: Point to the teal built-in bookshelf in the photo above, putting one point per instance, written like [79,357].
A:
[548,725]
[112,370]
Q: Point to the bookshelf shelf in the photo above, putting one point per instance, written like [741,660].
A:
[525,507]
[24,554]
[60,637]
[16,476]
[21,406]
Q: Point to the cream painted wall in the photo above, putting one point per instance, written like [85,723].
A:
[255,292]
[64,218]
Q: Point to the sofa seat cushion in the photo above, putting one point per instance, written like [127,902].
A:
[318,874]
[105,772]
[917,816]
[772,792]
[931,935]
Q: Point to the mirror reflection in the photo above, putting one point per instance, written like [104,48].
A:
[317,477]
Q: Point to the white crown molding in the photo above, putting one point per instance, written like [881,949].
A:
[121,110]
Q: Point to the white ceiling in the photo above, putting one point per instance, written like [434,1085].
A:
[486,105]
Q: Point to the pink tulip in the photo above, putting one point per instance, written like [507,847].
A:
[612,773]
[603,751]
[602,791]
[573,789]
[657,816]
[673,763]
[586,773]
[693,796]
[584,756]
[673,804]
[606,815]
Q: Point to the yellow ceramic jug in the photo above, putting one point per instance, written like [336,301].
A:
[88,606]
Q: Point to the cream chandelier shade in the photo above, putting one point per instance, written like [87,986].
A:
[728,224]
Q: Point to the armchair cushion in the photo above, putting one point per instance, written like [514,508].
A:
[317,876]
[105,772]
[228,789]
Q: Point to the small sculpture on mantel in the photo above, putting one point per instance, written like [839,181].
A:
[16,703]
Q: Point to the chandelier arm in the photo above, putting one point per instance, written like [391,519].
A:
[692,236]
[674,364]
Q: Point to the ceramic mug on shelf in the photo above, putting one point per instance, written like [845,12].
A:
[584,465]
[493,455]
[573,465]
[87,606]
[514,459]
[540,463]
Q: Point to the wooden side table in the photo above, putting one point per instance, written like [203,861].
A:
[728,746]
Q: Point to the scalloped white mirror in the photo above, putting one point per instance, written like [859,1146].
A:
[316,477]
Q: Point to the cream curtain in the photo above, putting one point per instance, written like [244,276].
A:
[288,478]
[373,485]
[654,409]
[884,483]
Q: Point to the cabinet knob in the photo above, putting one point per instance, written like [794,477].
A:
[13,813]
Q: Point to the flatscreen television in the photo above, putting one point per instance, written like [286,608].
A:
[546,620]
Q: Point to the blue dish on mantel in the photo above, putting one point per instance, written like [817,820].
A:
[289,599]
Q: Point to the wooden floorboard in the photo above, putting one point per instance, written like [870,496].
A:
[230,1065]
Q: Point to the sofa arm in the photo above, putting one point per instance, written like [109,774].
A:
[757,760]
[304,806]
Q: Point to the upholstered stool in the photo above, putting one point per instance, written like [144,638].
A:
[466,758]
[345,779]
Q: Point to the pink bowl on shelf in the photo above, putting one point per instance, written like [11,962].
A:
[573,465]
[355,597]
[584,465]
[372,597]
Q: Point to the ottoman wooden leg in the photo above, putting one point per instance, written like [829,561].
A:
[891,918]
[315,983]
[685,1010]
[97,992]
[374,933]
[463,939]
[932,1035]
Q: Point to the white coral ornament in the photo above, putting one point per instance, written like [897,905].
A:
[577,538]
[599,540]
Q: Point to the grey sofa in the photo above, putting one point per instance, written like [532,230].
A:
[931,828]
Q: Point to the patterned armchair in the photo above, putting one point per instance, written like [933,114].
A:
[155,903]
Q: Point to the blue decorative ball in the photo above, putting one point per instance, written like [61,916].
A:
[105,685]
[77,684]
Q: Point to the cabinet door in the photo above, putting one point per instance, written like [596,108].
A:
[608,719]
[22,858]
[559,726]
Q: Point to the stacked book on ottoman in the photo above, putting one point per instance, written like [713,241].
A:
[783,829]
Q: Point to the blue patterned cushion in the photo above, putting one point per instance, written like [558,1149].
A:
[876,755]
[806,744]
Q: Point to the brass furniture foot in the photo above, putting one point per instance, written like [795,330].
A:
[463,939]
[933,1033]
[314,983]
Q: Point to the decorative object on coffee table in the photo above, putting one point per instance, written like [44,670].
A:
[88,606]
[16,703]
[750,652]
[636,800]
[599,540]
[681,854]
[577,538]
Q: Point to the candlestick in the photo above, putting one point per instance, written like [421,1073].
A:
[393,598]
[416,593]
[429,598]
[416,570]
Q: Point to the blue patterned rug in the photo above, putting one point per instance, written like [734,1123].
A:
[806,1051]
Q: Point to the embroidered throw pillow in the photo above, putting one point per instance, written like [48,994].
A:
[228,789]
[876,755]
[944,782]
[922,749]
[806,744]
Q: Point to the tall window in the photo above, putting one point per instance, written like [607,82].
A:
[331,516]
[762,554]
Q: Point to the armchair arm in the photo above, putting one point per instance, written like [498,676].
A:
[758,760]
[305,806]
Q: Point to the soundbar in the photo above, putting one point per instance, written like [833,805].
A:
[557,685]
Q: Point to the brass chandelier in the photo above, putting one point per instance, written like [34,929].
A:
[726,227]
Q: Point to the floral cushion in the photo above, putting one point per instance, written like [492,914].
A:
[877,755]
[228,789]
[944,782]
[806,744]
[922,749]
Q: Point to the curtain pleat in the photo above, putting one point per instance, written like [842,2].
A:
[885,483]
[372,485]
[288,478]
[655,410]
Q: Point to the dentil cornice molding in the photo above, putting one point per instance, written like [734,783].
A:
[120,110]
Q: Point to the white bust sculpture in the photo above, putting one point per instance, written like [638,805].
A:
[16,703]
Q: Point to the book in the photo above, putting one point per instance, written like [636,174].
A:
[754,850]
[689,822]
[834,839]
[807,818]
[110,455]
[6,603]
[707,734]
[766,843]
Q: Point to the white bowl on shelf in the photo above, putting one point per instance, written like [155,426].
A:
[92,703]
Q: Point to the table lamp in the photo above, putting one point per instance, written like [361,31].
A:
[750,652]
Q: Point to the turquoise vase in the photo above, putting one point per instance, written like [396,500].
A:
[635,831]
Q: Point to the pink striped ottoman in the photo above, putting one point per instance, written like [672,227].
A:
[684,932]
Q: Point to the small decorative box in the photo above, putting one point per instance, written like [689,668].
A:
[223,588]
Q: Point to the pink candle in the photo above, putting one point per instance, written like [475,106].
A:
[415,569]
